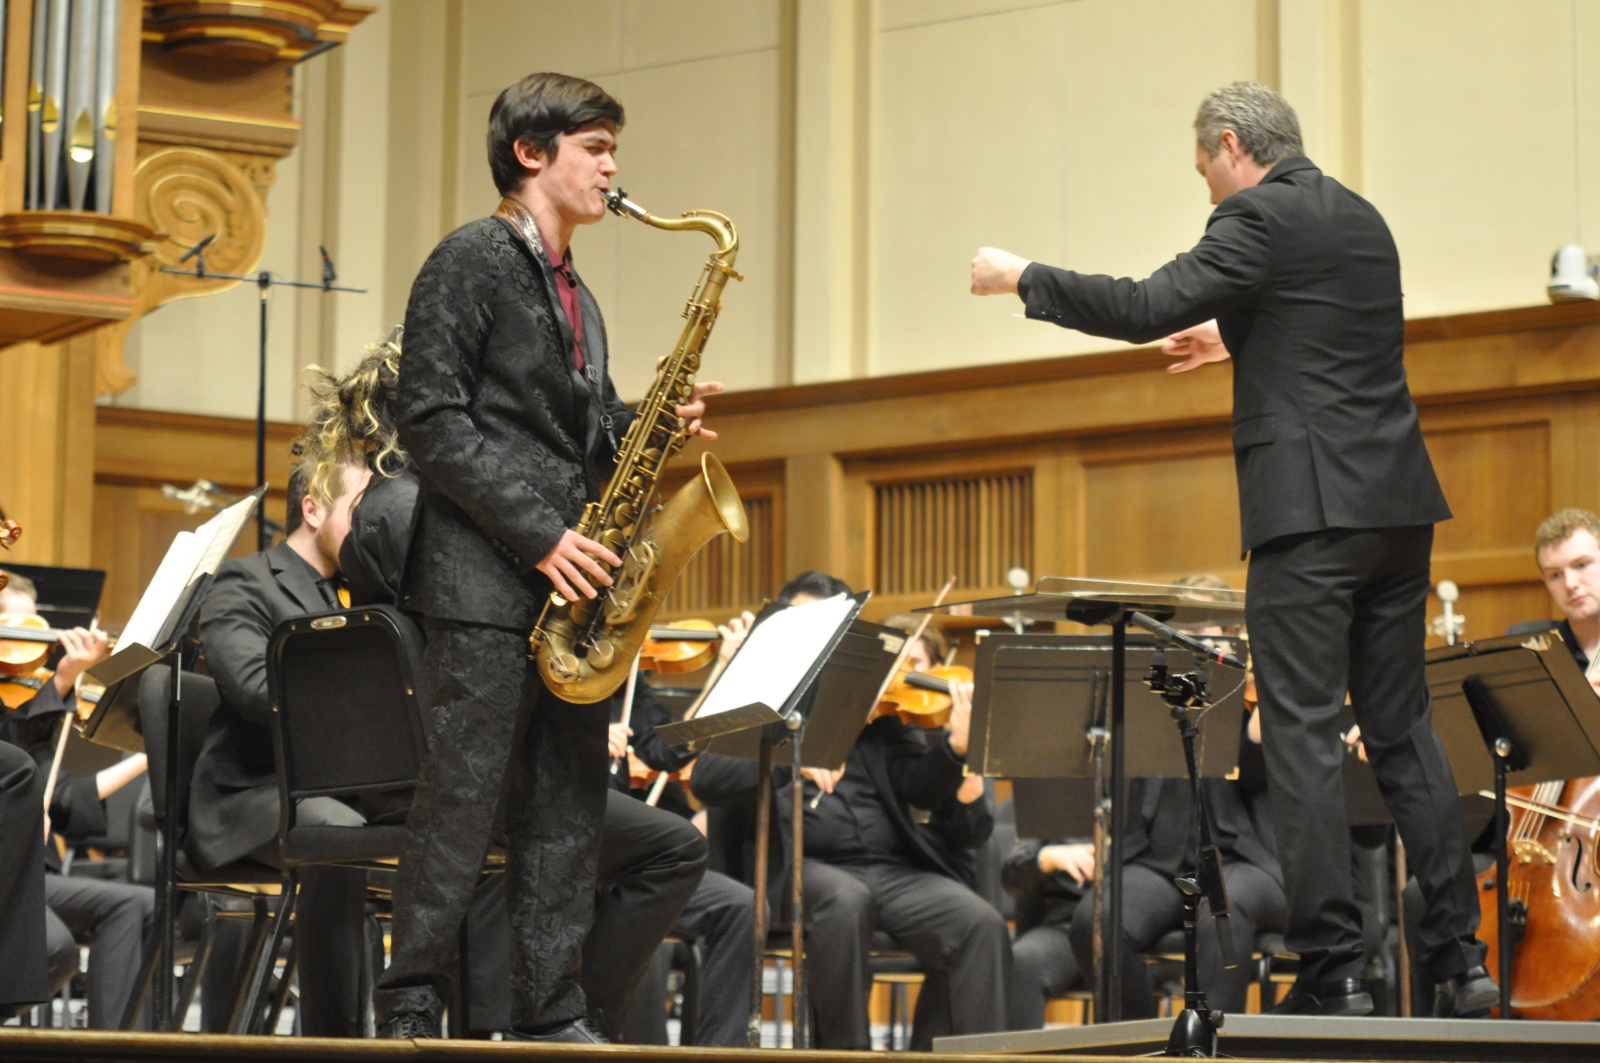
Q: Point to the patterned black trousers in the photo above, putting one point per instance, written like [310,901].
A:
[501,749]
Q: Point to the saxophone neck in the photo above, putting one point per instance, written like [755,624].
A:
[718,226]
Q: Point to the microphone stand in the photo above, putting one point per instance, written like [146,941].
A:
[1194,1033]
[264,281]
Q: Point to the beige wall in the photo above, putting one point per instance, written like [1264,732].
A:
[866,147]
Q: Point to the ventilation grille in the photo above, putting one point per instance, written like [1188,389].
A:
[974,529]
[727,574]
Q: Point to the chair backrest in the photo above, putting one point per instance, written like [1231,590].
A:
[198,700]
[348,703]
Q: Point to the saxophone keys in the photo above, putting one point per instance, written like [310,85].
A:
[564,667]
[601,654]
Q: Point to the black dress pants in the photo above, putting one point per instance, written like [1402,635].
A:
[1043,966]
[651,861]
[113,919]
[1153,905]
[332,971]
[947,926]
[22,911]
[719,919]
[500,746]
[1345,610]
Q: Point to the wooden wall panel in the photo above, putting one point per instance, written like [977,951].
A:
[1129,469]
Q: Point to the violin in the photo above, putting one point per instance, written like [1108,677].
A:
[922,698]
[25,641]
[1554,887]
[681,646]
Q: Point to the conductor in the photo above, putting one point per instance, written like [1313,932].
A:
[1298,280]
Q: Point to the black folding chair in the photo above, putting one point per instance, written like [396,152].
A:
[244,879]
[347,723]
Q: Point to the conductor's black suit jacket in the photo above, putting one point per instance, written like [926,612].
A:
[233,806]
[509,439]
[1303,279]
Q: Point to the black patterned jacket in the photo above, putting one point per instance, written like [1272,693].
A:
[509,439]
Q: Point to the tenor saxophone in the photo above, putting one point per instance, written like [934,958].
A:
[585,648]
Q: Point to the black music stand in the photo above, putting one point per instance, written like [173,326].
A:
[154,633]
[1095,602]
[823,704]
[1514,711]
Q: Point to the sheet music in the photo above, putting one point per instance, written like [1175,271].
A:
[144,626]
[776,656]
[220,532]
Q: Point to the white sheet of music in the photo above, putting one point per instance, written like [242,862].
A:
[173,575]
[776,655]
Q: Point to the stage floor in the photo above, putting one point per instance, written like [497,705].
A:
[1307,1040]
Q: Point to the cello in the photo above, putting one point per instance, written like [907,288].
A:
[1554,890]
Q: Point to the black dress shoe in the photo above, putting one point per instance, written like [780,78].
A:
[1469,995]
[410,1026]
[576,1032]
[1346,996]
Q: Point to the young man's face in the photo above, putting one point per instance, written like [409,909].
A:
[582,168]
[1571,571]
[332,525]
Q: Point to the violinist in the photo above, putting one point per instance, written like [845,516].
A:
[112,917]
[870,866]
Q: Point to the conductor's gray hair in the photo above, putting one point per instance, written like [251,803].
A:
[1262,120]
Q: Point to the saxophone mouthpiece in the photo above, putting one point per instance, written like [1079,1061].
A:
[621,205]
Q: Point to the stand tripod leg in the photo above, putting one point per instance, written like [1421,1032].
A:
[1112,931]
[797,859]
[166,883]
[1502,899]
[759,938]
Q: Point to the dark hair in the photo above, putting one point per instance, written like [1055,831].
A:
[299,483]
[817,584]
[538,109]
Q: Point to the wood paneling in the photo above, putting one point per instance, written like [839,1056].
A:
[135,452]
[1129,470]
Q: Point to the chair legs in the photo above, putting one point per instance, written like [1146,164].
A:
[247,1016]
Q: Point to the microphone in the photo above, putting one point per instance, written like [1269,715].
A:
[197,249]
[1174,637]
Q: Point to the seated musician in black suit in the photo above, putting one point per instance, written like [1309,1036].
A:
[233,812]
[1048,880]
[719,916]
[1567,548]
[869,866]
[22,910]
[650,860]
[111,917]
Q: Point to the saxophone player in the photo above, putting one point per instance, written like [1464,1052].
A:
[508,412]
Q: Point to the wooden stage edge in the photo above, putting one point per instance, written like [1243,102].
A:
[57,1046]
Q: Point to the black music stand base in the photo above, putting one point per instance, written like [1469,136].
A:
[1194,1034]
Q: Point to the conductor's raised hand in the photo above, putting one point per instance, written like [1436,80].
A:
[1196,346]
[694,410]
[573,565]
[996,272]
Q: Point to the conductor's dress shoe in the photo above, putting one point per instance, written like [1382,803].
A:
[1345,996]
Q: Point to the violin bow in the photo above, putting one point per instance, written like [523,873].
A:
[627,708]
